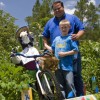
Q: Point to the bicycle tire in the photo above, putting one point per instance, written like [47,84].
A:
[54,85]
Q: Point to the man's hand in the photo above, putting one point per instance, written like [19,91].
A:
[78,35]
[75,37]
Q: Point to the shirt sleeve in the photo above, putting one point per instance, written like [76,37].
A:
[78,24]
[74,45]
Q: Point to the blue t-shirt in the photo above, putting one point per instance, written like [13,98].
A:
[64,44]
[52,30]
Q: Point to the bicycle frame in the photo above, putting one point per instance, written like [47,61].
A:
[38,72]
[37,76]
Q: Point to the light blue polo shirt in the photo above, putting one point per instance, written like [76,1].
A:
[64,44]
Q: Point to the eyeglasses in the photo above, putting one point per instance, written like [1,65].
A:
[57,9]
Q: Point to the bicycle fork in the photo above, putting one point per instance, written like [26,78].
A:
[41,88]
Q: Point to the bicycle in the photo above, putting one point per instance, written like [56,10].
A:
[46,84]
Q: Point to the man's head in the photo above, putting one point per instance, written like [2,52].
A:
[64,27]
[58,9]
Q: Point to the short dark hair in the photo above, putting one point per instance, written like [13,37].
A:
[57,2]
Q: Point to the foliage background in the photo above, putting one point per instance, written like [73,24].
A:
[13,79]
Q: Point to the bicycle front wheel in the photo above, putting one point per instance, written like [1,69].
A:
[50,86]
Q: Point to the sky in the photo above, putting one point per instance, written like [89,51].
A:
[20,9]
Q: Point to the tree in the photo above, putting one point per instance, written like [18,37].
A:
[46,8]
[81,9]
[36,11]
[87,12]
[29,20]
[93,27]
[35,14]
[12,79]
[90,61]
[7,29]
[41,13]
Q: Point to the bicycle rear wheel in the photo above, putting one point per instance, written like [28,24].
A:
[53,90]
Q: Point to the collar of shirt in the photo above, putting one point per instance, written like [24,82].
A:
[62,17]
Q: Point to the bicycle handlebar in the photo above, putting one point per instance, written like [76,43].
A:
[33,56]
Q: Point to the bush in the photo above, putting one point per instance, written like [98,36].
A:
[12,80]
[90,51]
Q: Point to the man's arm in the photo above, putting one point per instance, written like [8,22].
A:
[78,35]
[45,42]
[46,45]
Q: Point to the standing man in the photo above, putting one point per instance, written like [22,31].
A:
[51,31]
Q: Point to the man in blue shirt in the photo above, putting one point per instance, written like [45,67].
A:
[51,31]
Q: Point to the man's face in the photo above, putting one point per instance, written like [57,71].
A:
[58,10]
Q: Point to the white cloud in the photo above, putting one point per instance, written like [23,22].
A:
[69,6]
[2,5]
[93,1]
[70,11]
